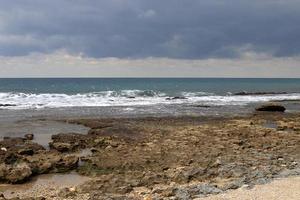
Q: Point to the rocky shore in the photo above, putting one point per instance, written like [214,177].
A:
[160,158]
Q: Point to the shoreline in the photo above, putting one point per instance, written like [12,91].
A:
[195,156]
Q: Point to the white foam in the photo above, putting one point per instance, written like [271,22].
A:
[128,98]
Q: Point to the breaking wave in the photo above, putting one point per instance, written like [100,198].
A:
[12,100]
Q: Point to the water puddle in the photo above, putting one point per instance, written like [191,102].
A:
[49,183]
[42,129]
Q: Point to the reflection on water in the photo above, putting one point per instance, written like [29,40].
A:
[42,129]
[42,183]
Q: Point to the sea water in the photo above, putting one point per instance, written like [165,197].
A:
[43,93]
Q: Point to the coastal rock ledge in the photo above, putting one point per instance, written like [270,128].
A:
[271,107]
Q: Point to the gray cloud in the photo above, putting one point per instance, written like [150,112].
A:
[190,29]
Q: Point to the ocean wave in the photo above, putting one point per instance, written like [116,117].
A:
[129,98]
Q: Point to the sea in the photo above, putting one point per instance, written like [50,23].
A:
[39,105]
[118,97]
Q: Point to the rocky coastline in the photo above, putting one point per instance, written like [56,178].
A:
[160,158]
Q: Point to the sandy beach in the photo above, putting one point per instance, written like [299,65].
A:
[288,188]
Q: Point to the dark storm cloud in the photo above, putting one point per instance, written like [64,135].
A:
[150,28]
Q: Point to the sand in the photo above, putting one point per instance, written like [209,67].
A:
[280,189]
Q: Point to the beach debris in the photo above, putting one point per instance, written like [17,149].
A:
[271,107]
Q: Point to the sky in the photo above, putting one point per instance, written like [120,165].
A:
[143,38]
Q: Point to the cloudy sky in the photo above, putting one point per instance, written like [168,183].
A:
[185,38]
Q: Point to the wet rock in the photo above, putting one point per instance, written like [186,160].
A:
[176,98]
[29,136]
[7,105]
[271,107]
[258,93]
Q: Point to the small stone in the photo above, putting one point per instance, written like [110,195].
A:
[3,149]
[29,136]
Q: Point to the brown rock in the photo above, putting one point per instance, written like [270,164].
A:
[60,146]
[271,107]
[15,173]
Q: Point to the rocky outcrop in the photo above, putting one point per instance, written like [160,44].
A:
[16,147]
[21,158]
[15,173]
[271,107]
[52,162]
[66,142]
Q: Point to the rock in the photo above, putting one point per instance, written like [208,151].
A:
[61,147]
[258,93]
[52,162]
[67,163]
[67,192]
[2,197]
[176,98]
[18,146]
[26,151]
[29,136]
[182,194]
[262,181]
[204,189]
[117,131]
[7,105]
[201,106]
[15,173]
[235,184]
[70,141]
[10,158]
[271,107]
